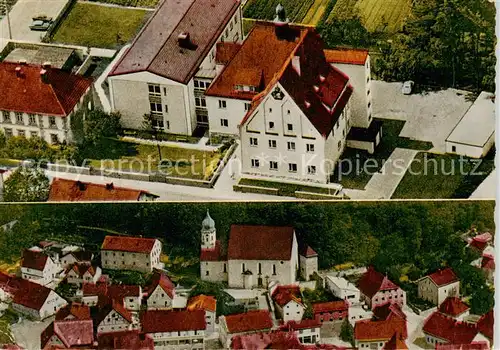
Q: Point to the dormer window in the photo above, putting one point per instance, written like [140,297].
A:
[322,78]
[307,104]
[316,88]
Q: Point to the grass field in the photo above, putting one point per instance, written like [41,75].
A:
[296,10]
[133,3]
[377,15]
[99,26]
[316,12]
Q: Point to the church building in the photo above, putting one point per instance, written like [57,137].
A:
[255,255]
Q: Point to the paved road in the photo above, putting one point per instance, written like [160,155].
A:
[430,116]
[27,333]
[21,16]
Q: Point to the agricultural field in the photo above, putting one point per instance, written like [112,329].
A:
[296,10]
[377,15]
[131,3]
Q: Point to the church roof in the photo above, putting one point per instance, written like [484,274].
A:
[208,223]
[248,242]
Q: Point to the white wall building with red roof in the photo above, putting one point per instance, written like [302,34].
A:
[38,267]
[208,304]
[288,302]
[171,62]
[81,273]
[438,286]
[131,253]
[231,326]
[161,292]
[114,317]
[377,289]
[40,101]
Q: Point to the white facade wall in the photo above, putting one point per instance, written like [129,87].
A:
[159,299]
[336,142]
[308,266]
[372,345]
[179,340]
[210,317]
[114,322]
[308,335]
[429,291]
[433,341]
[142,262]
[233,113]
[395,296]
[133,302]
[349,293]
[214,271]
[292,311]
[470,150]
[357,313]
[74,278]
[49,308]
[44,277]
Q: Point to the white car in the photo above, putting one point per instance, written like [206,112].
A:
[407,87]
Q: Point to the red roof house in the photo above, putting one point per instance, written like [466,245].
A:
[128,244]
[388,311]
[481,241]
[486,325]
[32,298]
[454,307]
[202,302]
[475,345]
[34,89]
[330,311]
[72,334]
[161,321]
[282,295]
[443,277]
[35,260]
[377,288]
[268,340]
[125,340]
[367,331]
[346,56]
[161,279]
[448,330]
[251,321]
[73,311]
[397,342]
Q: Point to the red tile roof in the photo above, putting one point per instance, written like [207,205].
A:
[269,340]
[161,279]
[215,254]
[81,268]
[71,333]
[486,323]
[395,343]
[346,56]
[330,306]
[125,340]
[373,282]
[247,242]
[479,345]
[94,289]
[74,311]
[225,52]
[31,295]
[282,295]
[453,306]
[159,321]
[488,262]
[443,277]
[119,291]
[449,329]
[367,330]
[63,190]
[156,48]
[302,324]
[202,302]
[80,255]
[307,251]
[251,321]
[116,306]
[29,94]
[128,244]
[388,311]
[34,260]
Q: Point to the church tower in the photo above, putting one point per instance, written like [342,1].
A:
[208,234]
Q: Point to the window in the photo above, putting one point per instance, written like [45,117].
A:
[311,169]
[270,110]
[453,148]
[6,116]
[292,167]
[54,138]
[231,25]
[310,147]
[227,32]
[164,91]
[154,89]
[243,267]
[291,146]
[157,122]
[255,163]
[52,122]
[34,134]
[274,269]
[340,145]
[222,104]
[32,119]
[156,107]
[260,269]
[273,165]
[206,273]
[224,122]
[247,106]
[272,143]
[19,118]
[290,127]
[254,141]
[225,268]
[271,125]
[166,108]
[369,104]
[196,84]
[200,102]
[21,133]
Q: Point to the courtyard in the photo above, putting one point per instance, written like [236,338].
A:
[96,25]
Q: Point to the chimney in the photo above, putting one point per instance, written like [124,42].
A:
[296,64]
[19,72]
[184,40]
[81,186]
[43,75]
[46,64]
[23,62]
[109,186]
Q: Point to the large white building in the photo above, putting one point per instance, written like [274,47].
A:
[131,253]
[41,101]
[438,286]
[256,255]
[38,267]
[172,62]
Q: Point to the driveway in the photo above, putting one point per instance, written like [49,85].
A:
[430,116]
[21,16]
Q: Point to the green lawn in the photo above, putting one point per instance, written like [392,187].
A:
[286,189]
[99,26]
[134,3]
[358,159]
[439,176]
[296,10]
[178,162]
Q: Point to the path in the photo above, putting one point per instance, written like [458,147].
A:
[487,189]
[115,5]
[201,145]
[383,184]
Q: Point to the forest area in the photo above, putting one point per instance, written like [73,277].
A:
[405,240]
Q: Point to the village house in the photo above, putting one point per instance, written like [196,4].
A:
[442,329]
[437,286]
[125,340]
[90,293]
[488,264]
[64,190]
[165,72]
[376,289]
[330,311]
[308,261]
[208,304]
[38,100]
[485,326]
[38,267]
[267,340]
[370,334]
[114,317]
[74,312]
[68,335]
[175,329]
[161,291]
[81,273]
[306,331]
[232,326]
[480,241]
[251,261]
[131,253]
[454,307]
[359,312]
[70,257]
[388,311]
[343,289]
[288,302]
[35,300]
[128,295]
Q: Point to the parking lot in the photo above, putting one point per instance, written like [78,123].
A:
[21,16]
[429,116]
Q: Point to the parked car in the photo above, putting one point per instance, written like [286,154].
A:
[41,23]
[407,87]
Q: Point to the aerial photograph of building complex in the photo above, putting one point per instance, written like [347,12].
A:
[375,275]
